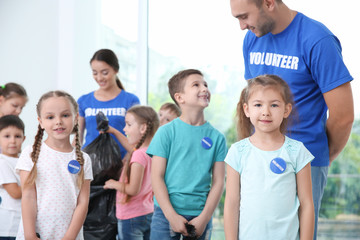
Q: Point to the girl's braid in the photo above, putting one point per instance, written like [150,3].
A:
[35,155]
[79,155]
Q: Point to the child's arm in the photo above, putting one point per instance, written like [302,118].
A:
[232,204]
[28,207]
[121,137]
[217,188]
[158,167]
[133,187]
[306,209]
[13,189]
[80,212]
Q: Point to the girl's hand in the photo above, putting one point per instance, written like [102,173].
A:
[110,130]
[177,223]
[110,184]
[199,225]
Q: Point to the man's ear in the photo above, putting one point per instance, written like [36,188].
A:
[269,4]
[288,109]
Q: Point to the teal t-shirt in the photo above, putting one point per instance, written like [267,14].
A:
[269,203]
[191,152]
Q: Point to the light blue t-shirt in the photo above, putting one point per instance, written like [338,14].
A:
[269,203]
[308,57]
[115,110]
[189,166]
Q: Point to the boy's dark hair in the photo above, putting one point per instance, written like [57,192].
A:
[177,82]
[172,107]
[11,121]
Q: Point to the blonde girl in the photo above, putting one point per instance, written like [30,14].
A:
[13,98]
[270,171]
[55,177]
[134,198]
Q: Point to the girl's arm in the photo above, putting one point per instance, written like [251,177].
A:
[28,207]
[121,137]
[80,212]
[81,122]
[217,188]
[158,167]
[232,204]
[133,187]
[306,209]
[13,189]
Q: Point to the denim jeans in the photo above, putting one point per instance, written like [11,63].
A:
[7,238]
[161,229]
[137,228]
[319,179]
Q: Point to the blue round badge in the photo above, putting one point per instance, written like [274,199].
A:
[278,165]
[206,143]
[74,167]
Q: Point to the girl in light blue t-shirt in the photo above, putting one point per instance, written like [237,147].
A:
[271,172]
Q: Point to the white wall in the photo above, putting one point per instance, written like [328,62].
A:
[46,45]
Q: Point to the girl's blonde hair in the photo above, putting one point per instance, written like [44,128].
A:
[244,126]
[38,138]
[143,115]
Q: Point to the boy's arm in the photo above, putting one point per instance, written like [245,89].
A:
[80,212]
[232,204]
[212,200]
[13,189]
[306,209]
[158,167]
[28,207]
[121,137]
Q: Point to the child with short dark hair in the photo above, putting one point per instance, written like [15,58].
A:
[168,112]
[11,138]
[187,170]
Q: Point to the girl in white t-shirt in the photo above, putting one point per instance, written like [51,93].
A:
[55,176]
[134,199]
[11,139]
[268,184]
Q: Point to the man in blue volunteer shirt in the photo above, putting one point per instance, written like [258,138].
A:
[308,56]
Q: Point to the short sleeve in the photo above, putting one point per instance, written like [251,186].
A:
[232,158]
[7,174]
[140,157]
[222,150]
[81,108]
[25,163]
[160,144]
[88,174]
[304,157]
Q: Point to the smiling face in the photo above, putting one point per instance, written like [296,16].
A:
[195,92]
[252,17]
[12,106]
[57,118]
[11,139]
[103,74]
[133,129]
[266,109]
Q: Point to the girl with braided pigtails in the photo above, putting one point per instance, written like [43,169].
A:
[55,177]
[134,197]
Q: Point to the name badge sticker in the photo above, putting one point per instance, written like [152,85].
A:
[278,165]
[206,143]
[74,167]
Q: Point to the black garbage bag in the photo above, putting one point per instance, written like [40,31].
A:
[101,222]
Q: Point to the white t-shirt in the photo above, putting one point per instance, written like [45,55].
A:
[10,208]
[56,190]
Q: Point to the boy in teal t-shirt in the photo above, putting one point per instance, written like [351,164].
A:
[187,169]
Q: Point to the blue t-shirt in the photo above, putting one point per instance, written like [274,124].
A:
[308,57]
[115,109]
[191,152]
[269,203]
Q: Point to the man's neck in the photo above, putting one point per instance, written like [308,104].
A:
[283,17]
